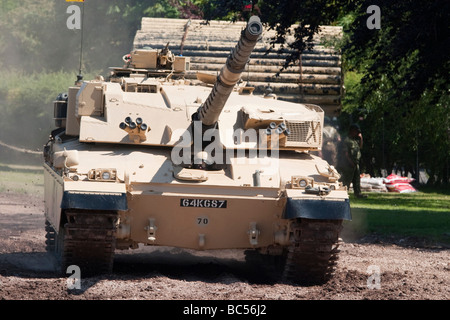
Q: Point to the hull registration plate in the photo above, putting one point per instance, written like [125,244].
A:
[203,203]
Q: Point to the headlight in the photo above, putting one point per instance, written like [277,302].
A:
[106,175]
[301,182]
[102,174]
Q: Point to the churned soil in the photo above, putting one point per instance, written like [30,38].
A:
[370,268]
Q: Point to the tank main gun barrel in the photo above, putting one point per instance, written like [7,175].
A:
[230,73]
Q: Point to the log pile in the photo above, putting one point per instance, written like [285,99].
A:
[316,78]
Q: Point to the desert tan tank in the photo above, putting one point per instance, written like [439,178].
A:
[150,157]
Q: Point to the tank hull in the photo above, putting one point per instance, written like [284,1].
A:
[219,213]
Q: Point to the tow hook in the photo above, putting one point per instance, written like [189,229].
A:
[253,234]
[151,230]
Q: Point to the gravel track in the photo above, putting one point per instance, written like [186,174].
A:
[406,269]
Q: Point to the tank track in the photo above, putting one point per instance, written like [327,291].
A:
[50,238]
[313,253]
[87,240]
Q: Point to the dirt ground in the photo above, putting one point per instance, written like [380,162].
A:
[369,269]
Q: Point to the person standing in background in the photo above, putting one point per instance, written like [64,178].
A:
[331,141]
[349,157]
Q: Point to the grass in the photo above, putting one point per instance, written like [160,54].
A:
[22,179]
[424,214]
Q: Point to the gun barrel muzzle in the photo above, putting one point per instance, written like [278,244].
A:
[230,73]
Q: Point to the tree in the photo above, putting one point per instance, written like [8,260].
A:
[41,56]
[403,89]
[397,75]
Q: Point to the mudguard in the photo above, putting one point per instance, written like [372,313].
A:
[318,209]
[94,201]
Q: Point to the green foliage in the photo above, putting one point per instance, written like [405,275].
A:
[422,214]
[23,32]
[403,95]
[162,9]
[396,78]
[352,81]
[41,56]
[183,9]
[7,6]
[412,34]
[35,37]
[27,108]
[21,179]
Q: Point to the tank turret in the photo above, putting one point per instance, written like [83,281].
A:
[230,73]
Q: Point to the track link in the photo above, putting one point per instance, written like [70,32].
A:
[313,253]
[50,238]
[89,241]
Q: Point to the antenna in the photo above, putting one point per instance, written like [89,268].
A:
[80,76]
[186,27]
[248,73]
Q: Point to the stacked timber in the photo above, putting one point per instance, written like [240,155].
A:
[315,78]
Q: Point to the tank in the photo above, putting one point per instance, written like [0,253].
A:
[147,157]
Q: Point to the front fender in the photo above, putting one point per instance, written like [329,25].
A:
[94,201]
[320,208]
